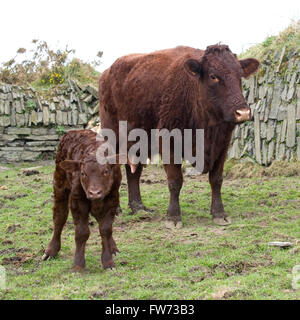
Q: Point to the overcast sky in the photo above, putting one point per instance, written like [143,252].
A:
[119,27]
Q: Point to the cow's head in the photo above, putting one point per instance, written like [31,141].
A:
[96,179]
[220,72]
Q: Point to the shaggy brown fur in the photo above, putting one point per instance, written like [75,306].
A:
[183,88]
[83,185]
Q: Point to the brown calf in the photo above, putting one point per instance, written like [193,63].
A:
[83,185]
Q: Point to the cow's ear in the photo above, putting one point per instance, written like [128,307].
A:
[70,165]
[249,66]
[193,67]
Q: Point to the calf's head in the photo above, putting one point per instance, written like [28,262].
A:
[219,73]
[96,179]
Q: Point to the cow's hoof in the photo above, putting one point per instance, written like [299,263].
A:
[46,257]
[77,268]
[171,224]
[136,206]
[222,221]
[109,265]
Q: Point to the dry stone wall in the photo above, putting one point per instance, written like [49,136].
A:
[31,123]
[274,98]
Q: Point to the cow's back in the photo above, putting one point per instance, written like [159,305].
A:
[136,86]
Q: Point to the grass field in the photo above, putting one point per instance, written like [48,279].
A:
[200,261]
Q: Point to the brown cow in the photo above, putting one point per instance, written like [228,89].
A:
[85,186]
[182,88]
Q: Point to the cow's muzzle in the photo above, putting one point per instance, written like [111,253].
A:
[242,114]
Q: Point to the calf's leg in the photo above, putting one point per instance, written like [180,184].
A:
[60,215]
[134,195]
[175,181]
[108,244]
[80,213]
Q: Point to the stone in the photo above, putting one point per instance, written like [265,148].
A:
[252,90]
[282,113]
[13,121]
[1,107]
[52,118]
[39,131]
[234,152]
[264,151]
[82,118]
[40,143]
[18,106]
[46,117]
[20,119]
[7,107]
[298,148]
[283,130]
[52,107]
[291,126]
[276,99]
[271,148]
[65,118]
[263,130]
[59,119]
[30,156]
[298,104]
[11,148]
[7,156]
[39,148]
[284,92]
[46,137]
[88,99]
[270,130]
[39,117]
[33,117]
[257,137]
[4,121]
[280,59]
[281,152]
[92,90]
[8,137]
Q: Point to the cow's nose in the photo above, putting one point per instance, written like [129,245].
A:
[242,114]
[95,194]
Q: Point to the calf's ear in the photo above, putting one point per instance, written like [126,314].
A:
[193,67]
[70,165]
[249,66]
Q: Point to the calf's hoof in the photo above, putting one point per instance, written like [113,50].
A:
[171,224]
[45,257]
[224,221]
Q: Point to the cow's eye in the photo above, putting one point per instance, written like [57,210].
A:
[214,78]
[83,174]
[105,172]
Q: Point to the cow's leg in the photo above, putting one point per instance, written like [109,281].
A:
[60,214]
[216,179]
[108,244]
[175,181]
[80,212]
[134,195]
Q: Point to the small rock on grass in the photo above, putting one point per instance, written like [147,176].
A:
[280,244]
